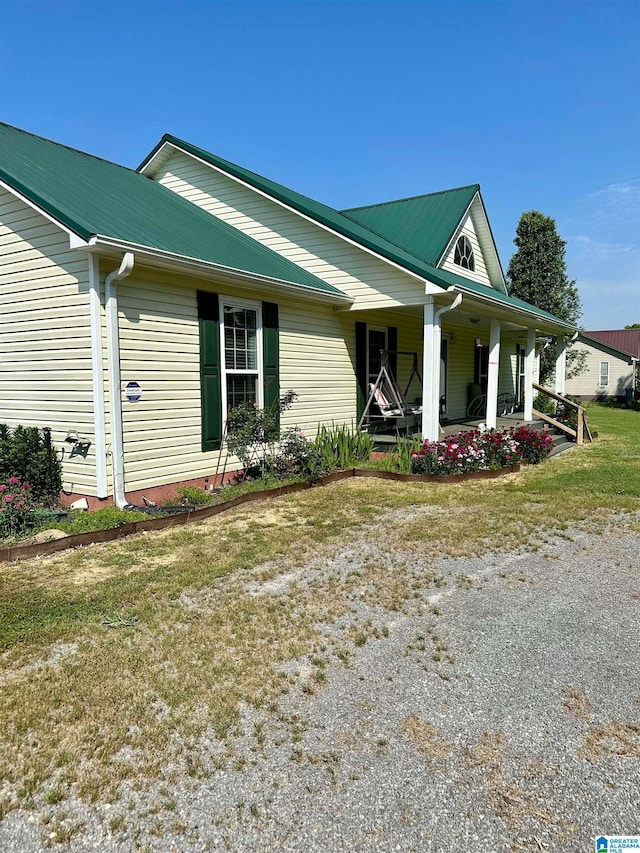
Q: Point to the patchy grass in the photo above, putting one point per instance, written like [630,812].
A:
[195,643]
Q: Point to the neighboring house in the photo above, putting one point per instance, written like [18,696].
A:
[609,369]
[138,306]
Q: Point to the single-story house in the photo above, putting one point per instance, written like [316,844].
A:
[138,306]
[609,367]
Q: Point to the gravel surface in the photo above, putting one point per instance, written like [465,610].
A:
[498,710]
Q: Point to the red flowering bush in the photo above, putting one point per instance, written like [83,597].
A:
[15,506]
[534,445]
[474,450]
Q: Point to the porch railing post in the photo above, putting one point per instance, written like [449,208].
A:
[561,365]
[529,358]
[492,374]
[430,376]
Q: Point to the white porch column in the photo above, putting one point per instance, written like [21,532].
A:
[529,356]
[492,374]
[431,373]
[561,365]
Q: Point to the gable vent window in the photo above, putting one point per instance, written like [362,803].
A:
[463,256]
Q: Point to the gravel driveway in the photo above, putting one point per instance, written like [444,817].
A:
[498,710]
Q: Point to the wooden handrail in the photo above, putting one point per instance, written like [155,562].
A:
[557,396]
[583,425]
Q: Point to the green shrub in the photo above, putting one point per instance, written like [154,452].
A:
[296,457]
[343,447]
[28,453]
[16,518]
[101,519]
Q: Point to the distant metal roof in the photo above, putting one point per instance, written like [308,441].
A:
[627,340]
[90,196]
[422,225]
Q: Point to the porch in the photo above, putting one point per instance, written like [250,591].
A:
[389,437]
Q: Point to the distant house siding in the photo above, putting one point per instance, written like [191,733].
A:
[480,273]
[587,384]
[353,270]
[45,343]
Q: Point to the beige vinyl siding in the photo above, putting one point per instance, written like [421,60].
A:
[588,383]
[45,343]
[480,273]
[159,348]
[369,281]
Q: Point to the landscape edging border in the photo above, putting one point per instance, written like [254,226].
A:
[44,549]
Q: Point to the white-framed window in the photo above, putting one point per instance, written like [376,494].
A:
[604,374]
[463,255]
[376,344]
[241,352]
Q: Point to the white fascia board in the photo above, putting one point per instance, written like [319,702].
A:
[38,209]
[493,241]
[195,266]
[289,208]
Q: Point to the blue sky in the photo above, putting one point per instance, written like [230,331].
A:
[354,103]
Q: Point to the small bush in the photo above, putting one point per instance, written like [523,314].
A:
[296,457]
[533,445]
[15,508]
[28,453]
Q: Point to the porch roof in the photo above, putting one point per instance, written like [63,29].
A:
[490,295]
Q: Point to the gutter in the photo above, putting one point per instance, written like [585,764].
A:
[113,360]
[505,307]
[197,265]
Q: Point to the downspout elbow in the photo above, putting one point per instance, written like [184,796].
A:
[113,355]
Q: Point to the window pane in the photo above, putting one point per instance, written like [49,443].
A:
[241,389]
[240,338]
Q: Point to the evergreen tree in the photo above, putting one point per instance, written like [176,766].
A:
[538,274]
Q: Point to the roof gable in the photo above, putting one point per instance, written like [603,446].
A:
[90,196]
[422,225]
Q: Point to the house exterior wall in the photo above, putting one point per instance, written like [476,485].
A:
[480,273]
[45,339]
[160,349]
[371,282]
[587,386]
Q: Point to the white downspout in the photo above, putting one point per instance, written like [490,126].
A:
[97,371]
[113,360]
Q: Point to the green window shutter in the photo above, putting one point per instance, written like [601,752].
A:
[271,356]
[392,346]
[210,370]
[361,368]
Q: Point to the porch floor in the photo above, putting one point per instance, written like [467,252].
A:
[389,437]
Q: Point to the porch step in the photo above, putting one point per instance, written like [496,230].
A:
[560,444]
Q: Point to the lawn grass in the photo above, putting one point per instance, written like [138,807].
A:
[85,706]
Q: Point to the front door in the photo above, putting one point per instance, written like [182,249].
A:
[444,375]
[376,345]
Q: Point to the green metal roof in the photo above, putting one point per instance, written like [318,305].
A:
[422,225]
[449,205]
[91,197]
[315,210]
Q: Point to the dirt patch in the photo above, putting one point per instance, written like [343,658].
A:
[577,703]
[613,740]
[424,736]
